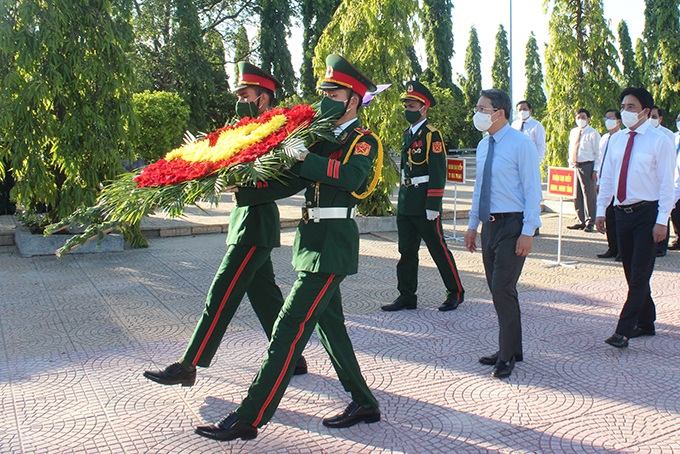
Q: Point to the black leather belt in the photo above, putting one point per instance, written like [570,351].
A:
[635,206]
[580,164]
[497,216]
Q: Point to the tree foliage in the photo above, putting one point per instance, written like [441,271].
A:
[471,85]
[641,62]
[630,73]
[65,104]
[390,29]
[274,23]
[316,14]
[500,70]
[662,38]
[580,70]
[438,33]
[534,92]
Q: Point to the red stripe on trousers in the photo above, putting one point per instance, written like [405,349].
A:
[224,300]
[301,330]
[447,254]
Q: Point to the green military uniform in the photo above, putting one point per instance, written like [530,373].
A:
[423,169]
[247,267]
[326,249]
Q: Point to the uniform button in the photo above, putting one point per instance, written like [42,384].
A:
[312,185]
[309,204]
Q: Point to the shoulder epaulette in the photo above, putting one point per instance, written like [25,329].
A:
[362,131]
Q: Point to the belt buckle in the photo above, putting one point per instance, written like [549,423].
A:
[628,210]
[305,215]
[492,218]
[407,182]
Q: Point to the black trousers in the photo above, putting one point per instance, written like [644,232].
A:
[503,268]
[638,252]
[585,202]
[610,220]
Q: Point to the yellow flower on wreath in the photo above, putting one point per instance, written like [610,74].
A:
[229,142]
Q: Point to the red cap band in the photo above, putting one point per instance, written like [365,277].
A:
[253,79]
[421,97]
[347,81]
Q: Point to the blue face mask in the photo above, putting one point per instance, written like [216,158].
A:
[332,109]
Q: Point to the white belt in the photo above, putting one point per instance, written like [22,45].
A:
[318,213]
[415,181]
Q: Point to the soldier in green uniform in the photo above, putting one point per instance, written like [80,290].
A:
[326,249]
[423,177]
[247,266]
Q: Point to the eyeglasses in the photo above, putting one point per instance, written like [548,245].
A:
[482,109]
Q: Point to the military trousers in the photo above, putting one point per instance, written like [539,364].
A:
[314,301]
[244,269]
[411,229]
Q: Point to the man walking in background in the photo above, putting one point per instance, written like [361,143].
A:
[584,153]
[612,121]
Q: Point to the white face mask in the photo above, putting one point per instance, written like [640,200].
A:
[524,114]
[654,122]
[629,119]
[482,121]
[581,123]
[610,124]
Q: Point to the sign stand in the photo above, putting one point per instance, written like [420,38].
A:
[455,172]
[561,182]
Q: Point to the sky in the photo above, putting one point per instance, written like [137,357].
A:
[527,16]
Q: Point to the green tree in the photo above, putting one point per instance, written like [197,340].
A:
[471,84]
[630,74]
[389,26]
[241,49]
[438,34]
[274,24]
[580,70]
[500,70]
[192,70]
[65,103]
[316,14]
[534,92]
[416,69]
[641,62]
[220,100]
[662,37]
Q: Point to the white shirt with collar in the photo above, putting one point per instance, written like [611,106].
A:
[667,132]
[650,171]
[589,145]
[414,128]
[338,129]
[535,131]
[604,149]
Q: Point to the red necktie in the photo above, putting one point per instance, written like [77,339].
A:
[623,176]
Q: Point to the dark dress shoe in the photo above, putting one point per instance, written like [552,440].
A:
[674,246]
[641,332]
[451,303]
[661,253]
[353,414]
[398,305]
[607,255]
[174,374]
[619,258]
[578,226]
[229,428]
[491,360]
[301,366]
[617,340]
[537,232]
[589,229]
[503,369]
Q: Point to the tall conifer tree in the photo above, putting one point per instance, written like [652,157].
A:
[438,34]
[500,70]
[534,92]
[274,31]
[471,84]
[630,74]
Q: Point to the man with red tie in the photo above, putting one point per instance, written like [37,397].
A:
[640,177]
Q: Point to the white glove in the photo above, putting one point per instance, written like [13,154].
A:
[431,215]
[297,151]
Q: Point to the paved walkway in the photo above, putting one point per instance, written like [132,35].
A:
[77,333]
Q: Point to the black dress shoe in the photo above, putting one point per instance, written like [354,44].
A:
[503,369]
[301,366]
[661,253]
[398,305]
[229,428]
[607,255]
[353,414]
[589,228]
[491,360]
[619,258]
[640,332]
[617,340]
[451,303]
[174,374]
[578,226]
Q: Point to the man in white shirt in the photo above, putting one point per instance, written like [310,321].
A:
[584,156]
[656,120]
[675,214]
[612,121]
[640,173]
[531,127]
